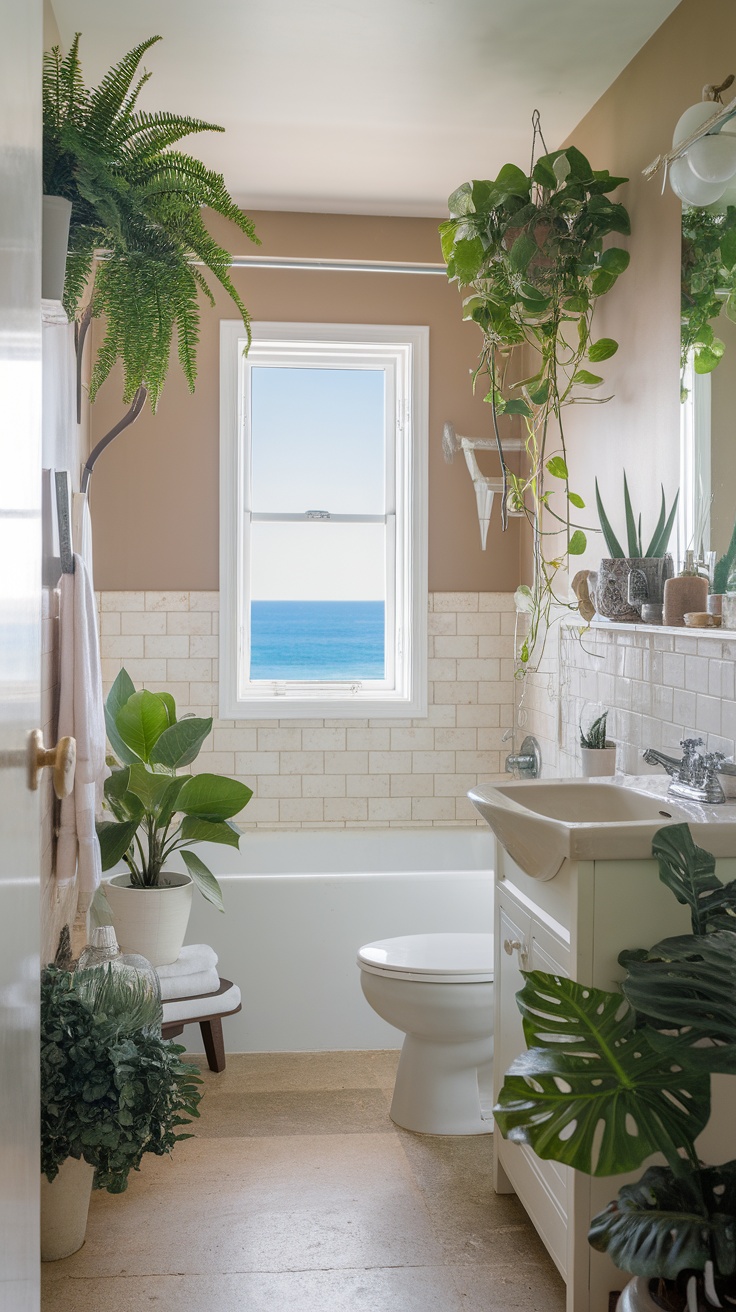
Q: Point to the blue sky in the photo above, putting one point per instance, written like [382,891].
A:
[318,444]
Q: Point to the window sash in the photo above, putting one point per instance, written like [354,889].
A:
[404,350]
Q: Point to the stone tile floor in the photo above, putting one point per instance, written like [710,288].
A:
[299,1194]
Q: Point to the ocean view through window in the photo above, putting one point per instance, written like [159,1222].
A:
[323,549]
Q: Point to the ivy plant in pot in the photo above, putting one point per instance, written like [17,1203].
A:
[158,813]
[111,1090]
[640,1066]
[110,165]
[597,752]
[529,249]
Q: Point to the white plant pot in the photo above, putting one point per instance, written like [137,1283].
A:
[152,921]
[598,760]
[64,1208]
[57,214]
[635,1297]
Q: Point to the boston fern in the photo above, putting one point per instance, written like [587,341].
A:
[139,201]
[111,1090]
[530,251]
[157,811]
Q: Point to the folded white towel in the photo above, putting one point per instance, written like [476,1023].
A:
[188,986]
[192,959]
[192,1011]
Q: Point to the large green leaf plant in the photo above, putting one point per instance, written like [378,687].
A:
[639,1065]
[529,250]
[708,285]
[141,202]
[158,811]
[111,1088]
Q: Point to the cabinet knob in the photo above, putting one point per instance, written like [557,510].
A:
[62,758]
[512,945]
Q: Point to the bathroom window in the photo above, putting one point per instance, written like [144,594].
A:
[323,562]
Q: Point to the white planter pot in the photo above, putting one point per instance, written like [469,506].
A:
[64,1208]
[598,760]
[57,213]
[635,1297]
[152,921]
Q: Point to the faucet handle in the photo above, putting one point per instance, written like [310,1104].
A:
[711,762]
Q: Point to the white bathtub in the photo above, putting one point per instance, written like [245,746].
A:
[299,904]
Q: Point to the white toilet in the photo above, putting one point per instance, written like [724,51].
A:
[437,989]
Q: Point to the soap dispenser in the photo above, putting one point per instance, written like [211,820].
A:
[684,594]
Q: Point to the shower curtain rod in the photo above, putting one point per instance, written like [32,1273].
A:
[329,266]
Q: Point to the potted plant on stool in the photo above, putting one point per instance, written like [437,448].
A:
[644,1060]
[158,813]
[111,1090]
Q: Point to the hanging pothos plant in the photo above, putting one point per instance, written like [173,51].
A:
[708,274]
[530,249]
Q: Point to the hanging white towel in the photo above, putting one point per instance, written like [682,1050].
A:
[81,715]
[82,531]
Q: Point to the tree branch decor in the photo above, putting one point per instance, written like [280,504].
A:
[529,248]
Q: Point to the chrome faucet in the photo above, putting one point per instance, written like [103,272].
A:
[528,761]
[695,777]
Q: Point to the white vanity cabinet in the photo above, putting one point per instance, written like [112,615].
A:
[576,924]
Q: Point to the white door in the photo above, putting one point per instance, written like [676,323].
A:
[20,661]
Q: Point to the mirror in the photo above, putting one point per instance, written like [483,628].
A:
[708,379]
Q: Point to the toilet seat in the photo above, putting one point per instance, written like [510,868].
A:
[431,958]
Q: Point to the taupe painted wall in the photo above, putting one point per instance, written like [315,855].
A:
[155,491]
[631,124]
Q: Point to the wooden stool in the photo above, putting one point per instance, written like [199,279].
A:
[210,1025]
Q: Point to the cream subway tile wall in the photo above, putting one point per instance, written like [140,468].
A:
[335,773]
[659,686]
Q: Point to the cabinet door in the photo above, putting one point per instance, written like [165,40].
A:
[541,1185]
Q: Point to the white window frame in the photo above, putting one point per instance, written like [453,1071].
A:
[404,352]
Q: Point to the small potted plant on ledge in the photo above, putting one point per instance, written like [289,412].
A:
[157,814]
[597,752]
[597,1060]
[111,1090]
[629,588]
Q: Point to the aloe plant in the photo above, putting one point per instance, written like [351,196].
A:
[660,537]
[724,566]
[595,736]
[596,1059]
[158,811]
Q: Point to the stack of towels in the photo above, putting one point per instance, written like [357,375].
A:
[189,983]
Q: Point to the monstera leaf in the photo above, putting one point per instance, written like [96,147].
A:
[665,1224]
[688,984]
[689,872]
[589,1067]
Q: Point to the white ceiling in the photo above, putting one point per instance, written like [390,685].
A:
[367,106]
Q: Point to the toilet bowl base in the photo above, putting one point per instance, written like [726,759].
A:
[437,1086]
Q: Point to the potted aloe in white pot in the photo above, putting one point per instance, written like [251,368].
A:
[597,752]
[157,814]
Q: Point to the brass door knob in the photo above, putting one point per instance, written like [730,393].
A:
[62,758]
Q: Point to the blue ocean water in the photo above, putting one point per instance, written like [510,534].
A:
[317,640]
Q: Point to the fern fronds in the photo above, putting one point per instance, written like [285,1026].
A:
[139,201]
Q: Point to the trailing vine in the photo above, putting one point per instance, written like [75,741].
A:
[530,250]
[708,274]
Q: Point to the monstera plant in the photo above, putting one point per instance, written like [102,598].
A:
[529,250]
[640,1065]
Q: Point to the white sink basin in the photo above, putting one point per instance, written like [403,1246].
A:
[541,823]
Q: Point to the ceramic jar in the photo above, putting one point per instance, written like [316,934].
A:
[609,588]
[64,1208]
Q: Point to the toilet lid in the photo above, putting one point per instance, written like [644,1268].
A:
[465,958]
